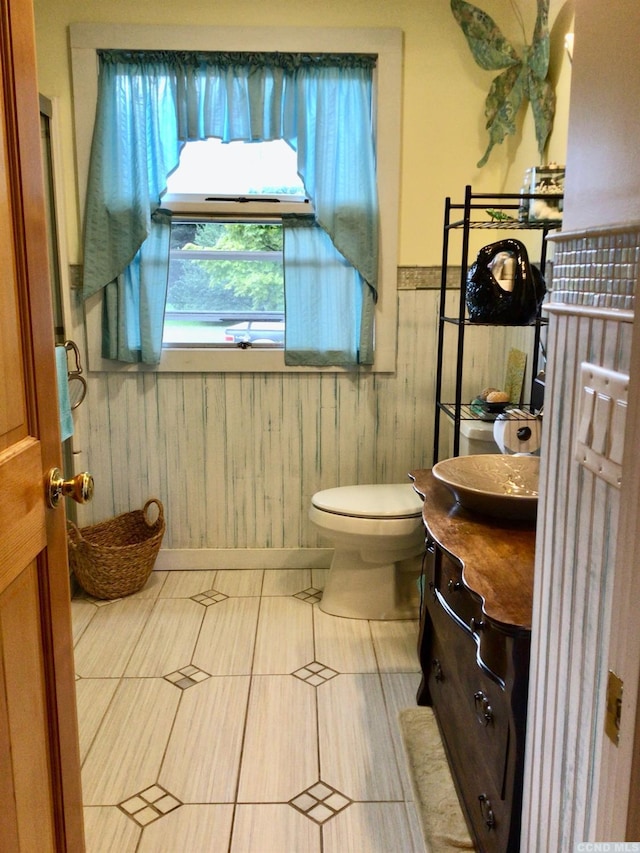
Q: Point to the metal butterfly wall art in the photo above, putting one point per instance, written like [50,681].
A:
[523,75]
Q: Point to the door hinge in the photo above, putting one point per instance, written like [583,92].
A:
[614,707]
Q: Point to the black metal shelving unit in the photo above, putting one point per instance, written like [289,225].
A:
[471,215]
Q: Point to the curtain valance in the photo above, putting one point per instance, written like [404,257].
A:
[222,59]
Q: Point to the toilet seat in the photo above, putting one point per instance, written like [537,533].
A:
[395,500]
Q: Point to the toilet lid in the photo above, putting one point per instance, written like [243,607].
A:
[376,501]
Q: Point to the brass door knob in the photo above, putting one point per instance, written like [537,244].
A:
[80,487]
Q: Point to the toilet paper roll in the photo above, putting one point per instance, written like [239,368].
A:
[517,432]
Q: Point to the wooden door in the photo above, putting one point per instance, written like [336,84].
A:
[40,794]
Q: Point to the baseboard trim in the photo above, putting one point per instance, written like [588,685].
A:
[185,559]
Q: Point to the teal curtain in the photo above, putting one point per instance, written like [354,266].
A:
[133,304]
[336,160]
[319,283]
[150,103]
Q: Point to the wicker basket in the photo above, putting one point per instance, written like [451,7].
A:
[116,557]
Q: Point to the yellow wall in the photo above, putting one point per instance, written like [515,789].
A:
[443,93]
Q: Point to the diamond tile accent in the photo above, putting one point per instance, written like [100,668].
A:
[149,805]
[187,676]
[320,802]
[315,673]
[312,595]
[211,596]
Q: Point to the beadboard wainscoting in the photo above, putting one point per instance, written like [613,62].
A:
[235,458]
[591,320]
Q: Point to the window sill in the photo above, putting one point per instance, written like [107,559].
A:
[194,360]
[216,359]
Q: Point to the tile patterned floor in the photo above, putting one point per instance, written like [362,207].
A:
[224,712]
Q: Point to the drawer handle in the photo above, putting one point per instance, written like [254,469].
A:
[484,711]
[476,625]
[437,670]
[487,812]
[454,586]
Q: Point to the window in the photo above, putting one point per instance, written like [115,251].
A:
[226,277]
[385,44]
[223,273]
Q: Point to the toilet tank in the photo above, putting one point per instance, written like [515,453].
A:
[477,437]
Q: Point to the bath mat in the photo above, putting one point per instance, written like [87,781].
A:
[437,805]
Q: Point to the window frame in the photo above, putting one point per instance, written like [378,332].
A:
[86,39]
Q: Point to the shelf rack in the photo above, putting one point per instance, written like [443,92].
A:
[470,215]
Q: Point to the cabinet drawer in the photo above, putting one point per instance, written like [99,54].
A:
[474,707]
[448,581]
[466,608]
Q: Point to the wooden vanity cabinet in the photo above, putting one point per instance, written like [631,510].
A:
[475,665]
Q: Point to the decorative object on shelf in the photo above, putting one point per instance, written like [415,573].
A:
[503,287]
[525,201]
[489,403]
[484,411]
[524,75]
[499,215]
[514,375]
[547,181]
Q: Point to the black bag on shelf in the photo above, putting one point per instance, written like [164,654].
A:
[503,288]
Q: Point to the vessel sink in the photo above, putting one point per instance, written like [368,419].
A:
[493,484]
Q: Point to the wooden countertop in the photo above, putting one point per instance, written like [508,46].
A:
[496,555]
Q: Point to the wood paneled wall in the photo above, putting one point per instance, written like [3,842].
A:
[235,458]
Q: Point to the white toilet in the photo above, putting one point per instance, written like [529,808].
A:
[378,537]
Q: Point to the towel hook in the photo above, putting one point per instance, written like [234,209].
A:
[76,394]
